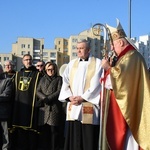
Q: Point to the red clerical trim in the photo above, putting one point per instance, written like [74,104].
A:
[116,126]
[128,48]
[105,75]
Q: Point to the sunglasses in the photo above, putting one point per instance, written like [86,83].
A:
[39,65]
[49,70]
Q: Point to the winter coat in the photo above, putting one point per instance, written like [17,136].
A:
[5,98]
[51,108]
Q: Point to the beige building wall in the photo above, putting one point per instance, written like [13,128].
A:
[64,51]
[72,42]
[53,55]
[4,57]
[50,55]
[61,46]
[31,46]
[95,44]
[67,47]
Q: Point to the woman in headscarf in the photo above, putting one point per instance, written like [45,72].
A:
[50,111]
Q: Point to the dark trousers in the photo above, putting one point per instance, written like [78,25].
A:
[49,138]
[81,136]
[24,139]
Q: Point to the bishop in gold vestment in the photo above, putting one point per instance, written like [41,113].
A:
[129,98]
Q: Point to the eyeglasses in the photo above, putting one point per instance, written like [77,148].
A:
[39,65]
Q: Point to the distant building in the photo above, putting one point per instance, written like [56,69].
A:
[143,44]
[4,57]
[65,48]
[25,45]
[61,46]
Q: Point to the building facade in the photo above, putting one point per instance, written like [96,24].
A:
[25,45]
[143,45]
[4,57]
[65,49]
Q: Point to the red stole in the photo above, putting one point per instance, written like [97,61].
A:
[116,126]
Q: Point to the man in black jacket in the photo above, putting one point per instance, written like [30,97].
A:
[25,112]
[5,105]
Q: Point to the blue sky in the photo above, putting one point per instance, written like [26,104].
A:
[50,19]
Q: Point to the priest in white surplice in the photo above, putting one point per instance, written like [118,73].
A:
[81,89]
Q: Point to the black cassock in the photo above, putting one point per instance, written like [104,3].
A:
[25,112]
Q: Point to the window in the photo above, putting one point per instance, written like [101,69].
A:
[65,43]
[54,61]
[36,47]
[28,45]
[23,53]
[74,54]
[45,53]
[65,50]
[53,55]
[6,58]
[74,40]
[22,45]
[73,47]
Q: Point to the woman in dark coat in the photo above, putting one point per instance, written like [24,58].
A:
[50,111]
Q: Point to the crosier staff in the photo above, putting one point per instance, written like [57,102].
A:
[98,29]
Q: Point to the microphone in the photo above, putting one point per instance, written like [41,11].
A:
[110,54]
[114,58]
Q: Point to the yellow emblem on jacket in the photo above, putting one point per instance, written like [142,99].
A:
[24,83]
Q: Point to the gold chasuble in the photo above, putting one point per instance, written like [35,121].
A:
[87,110]
[133,99]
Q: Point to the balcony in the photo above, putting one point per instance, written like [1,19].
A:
[37,50]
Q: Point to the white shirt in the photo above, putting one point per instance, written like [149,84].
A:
[92,94]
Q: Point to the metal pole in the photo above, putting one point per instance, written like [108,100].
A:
[129,19]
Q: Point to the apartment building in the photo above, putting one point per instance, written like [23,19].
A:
[26,45]
[143,45]
[50,55]
[65,48]
[61,46]
[95,43]
[4,57]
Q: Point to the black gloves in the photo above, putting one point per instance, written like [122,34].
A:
[46,101]
[39,103]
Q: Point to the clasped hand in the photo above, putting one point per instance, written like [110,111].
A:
[76,100]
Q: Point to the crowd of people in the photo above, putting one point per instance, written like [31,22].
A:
[31,116]
[94,105]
